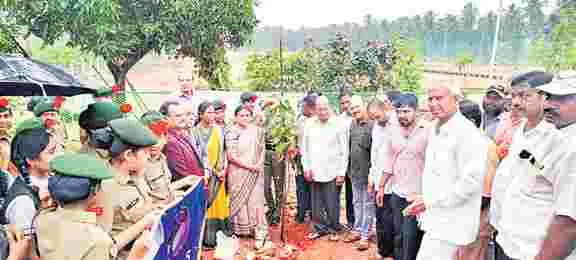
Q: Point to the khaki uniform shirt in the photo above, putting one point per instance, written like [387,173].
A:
[107,217]
[158,178]
[59,134]
[129,202]
[71,233]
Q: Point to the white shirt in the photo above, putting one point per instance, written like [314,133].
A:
[508,167]
[379,135]
[570,130]
[325,150]
[345,120]
[534,196]
[452,181]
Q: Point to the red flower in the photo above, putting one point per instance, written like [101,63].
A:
[159,128]
[126,108]
[116,89]
[49,123]
[58,101]
[254,98]
[4,103]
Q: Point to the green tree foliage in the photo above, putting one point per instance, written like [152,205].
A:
[443,35]
[123,32]
[284,130]
[263,70]
[336,68]
[535,16]
[406,71]
[558,50]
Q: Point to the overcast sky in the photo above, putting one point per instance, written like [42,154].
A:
[315,13]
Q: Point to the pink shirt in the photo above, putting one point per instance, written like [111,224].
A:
[404,159]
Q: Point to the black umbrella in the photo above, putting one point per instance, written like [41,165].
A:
[21,76]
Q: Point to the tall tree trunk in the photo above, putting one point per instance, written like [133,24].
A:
[120,71]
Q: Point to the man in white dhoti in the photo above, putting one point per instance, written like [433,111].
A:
[449,206]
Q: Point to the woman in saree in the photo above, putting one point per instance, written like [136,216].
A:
[213,156]
[245,149]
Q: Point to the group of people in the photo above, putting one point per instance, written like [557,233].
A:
[111,189]
[451,180]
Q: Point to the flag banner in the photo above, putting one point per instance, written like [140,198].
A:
[179,233]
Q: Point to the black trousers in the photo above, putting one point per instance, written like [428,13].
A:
[385,228]
[325,210]
[408,235]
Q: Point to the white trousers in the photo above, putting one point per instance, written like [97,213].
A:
[435,249]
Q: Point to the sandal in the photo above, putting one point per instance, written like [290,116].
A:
[351,237]
[334,238]
[362,245]
[313,236]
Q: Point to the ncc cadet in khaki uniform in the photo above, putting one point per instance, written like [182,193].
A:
[96,139]
[69,231]
[6,121]
[47,110]
[129,157]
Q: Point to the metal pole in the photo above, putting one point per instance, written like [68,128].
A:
[281,63]
[496,37]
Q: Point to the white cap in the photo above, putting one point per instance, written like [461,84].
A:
[563,84]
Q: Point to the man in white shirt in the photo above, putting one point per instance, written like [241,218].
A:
[345,119]
[560,109]
[384,222]
[449,206]
[512,213]
[187,95]
[324,159]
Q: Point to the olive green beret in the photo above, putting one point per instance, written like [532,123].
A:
[43,107]
[35,100]
[151,117]
[132,132]
[103,92]
[80,165]
[97,115]
[29,123]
